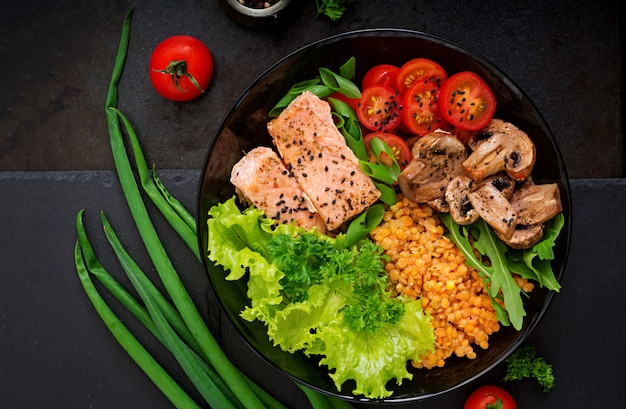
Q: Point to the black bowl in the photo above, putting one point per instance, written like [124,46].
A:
[244,128]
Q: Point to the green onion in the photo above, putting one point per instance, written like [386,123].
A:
[175,213]
[166,271]
[183,354]
[179,326]
[86,261]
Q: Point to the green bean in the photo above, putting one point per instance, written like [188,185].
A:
[162,263]
[84,257]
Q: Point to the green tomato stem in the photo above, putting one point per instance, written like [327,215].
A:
[178,69]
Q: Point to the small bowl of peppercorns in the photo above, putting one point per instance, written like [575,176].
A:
[256,13]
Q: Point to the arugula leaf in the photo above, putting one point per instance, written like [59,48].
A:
[497,278]
[533,263]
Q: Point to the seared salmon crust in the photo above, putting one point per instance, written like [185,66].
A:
[261,179]
[315,151]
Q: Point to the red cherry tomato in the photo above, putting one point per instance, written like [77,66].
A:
[400,149]
[490,397]
[181,68]
[466,101]
[420,109]
[383,74]
[417,70]
[379,108]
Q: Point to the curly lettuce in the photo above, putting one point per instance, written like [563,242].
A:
[321,297]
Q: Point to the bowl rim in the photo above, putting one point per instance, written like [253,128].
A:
[566,197]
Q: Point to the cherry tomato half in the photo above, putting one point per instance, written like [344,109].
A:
[419,69]
[379,108]
[490,397]
[400,149]
[383,74]
[466,101]
[181,68]
[420,109]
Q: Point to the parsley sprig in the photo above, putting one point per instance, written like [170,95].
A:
[525,363]
[333,9]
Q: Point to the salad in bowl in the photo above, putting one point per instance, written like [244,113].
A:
[385,216]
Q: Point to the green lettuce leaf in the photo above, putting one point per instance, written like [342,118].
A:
[321,297]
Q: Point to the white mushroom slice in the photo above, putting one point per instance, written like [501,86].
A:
[440,205]
[502,182]
[461,210]
[524,236]
[494,208]
[507,149]
[437,158]
[536,203]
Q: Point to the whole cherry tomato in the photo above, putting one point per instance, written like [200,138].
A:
[181,68]
[490,397]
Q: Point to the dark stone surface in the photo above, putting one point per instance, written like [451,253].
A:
[57,59]
[55,351]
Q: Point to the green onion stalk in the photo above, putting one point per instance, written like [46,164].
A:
[178,325]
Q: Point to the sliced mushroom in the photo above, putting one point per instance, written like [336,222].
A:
[437,158]
[494,208]
[502,182]
[524,236]
[536,203]
[461,210]
[507,149]
[440,204]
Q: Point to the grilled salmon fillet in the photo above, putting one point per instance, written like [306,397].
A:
[315,151]
[260,178]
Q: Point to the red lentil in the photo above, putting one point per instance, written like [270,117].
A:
[425,264]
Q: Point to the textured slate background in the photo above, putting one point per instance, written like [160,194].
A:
[57,57]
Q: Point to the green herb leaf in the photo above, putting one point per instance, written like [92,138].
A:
[314,85]
[349,126]
[496,277]
[333,9]
[360,226]
[346,317]
[339,84]
[524,362]
[348,69]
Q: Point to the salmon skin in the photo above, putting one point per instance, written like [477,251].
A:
[261,179]
[315,151]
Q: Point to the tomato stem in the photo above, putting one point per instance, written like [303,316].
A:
[177,69]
